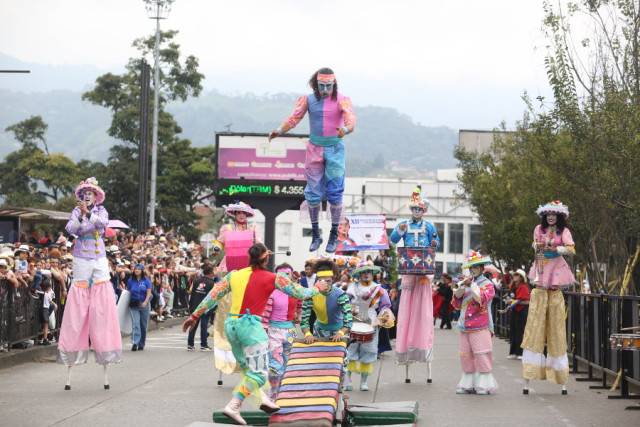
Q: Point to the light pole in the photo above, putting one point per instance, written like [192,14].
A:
[156,9]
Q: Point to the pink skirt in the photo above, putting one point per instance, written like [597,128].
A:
[556,273]
[414,338]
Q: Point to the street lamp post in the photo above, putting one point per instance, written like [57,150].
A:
[156,9]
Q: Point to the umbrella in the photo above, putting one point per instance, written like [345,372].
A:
[493,269]
[109,232]
[116,223]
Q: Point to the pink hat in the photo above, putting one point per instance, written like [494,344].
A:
[90,184]
[61,240]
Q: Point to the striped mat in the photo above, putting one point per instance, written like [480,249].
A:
[308,394]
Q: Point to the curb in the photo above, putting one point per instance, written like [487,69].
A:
[42,354]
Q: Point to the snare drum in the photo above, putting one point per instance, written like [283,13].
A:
[362,332]
[416,260]
[625,342]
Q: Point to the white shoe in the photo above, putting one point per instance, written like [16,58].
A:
[511,356]
[153,313]
[232,410]
[168,316]
[267,405]
[160,319]
[519,357]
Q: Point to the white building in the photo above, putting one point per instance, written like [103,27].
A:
[456,224]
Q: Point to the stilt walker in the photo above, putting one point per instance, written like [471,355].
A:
[331,117]
[473,298]
[90,311]
[546,323]
[414,338]
[235,239]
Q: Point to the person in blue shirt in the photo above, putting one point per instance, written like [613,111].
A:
[140,287]
[414,326]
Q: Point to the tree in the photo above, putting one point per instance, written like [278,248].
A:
[185,174]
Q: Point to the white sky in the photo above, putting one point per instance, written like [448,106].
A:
[458,63]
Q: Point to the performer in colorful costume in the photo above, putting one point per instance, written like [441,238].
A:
[546,320]
[90,310]
[414,338]
[278,321]
[473,299]
[235,239]
[331,117]
[250,289]
[371,305]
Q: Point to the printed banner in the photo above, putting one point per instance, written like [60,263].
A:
[361,232]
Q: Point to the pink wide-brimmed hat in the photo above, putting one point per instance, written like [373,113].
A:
[90,184]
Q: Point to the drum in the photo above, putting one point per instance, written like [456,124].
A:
[625,342]
[362,332]
[416,260]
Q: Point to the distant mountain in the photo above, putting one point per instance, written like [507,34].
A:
[385,142]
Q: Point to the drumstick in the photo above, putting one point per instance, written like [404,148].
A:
[630,328]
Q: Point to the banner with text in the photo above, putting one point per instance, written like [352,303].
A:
[362,232]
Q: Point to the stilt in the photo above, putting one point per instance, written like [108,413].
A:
[564,389]
[429,373]
[219,377]
[68,385]
[106,378]
[407,379]
[525,390]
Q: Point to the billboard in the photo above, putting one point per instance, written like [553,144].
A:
[253,157]
[361,232]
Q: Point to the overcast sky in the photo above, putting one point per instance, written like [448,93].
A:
[458,63]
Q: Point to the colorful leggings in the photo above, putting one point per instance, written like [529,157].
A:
[249,344]
[325,167]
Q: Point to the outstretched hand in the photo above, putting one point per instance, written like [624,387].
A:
[188,324]
[323,286]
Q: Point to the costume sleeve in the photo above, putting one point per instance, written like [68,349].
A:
[256,233]
[298,112]
[220,241]
[293,289]
[99,219]
[219,290]
[458,295]
[345,306]
[268,309]
[486,293]
[537,235]
[385,301]
[307,306]
[348,115]
[432,230]
[73,226]
[397,234]
[568,246]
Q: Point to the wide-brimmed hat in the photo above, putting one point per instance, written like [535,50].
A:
[365,266]
[90,184]
[21,248]
[475,258]
[238,206]
[61,240]
[418,200]
[8,254]
[113,249]
[520,272]
[4,262]
[555,207]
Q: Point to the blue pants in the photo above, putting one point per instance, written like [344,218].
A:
[203,321]
[139,321]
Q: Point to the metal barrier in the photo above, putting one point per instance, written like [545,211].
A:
[19,317]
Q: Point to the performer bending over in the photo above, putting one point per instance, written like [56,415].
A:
[414,338]
[371,305]
[331,117]
[473,299]
[546,323]
[250,289]
[90,310]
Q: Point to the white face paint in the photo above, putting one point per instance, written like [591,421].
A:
[476,270]
[367,276]
[416,213]
[552,218]
[89,197]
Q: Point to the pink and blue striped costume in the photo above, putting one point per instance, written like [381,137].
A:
[325,157]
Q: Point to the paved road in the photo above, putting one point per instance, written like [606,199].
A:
[167,386]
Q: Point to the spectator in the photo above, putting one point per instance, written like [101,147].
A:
[45,312]
[444,290]
[140,287]
[201,288]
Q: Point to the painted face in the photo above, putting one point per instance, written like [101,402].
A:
[476,270]
[367,276]
[89,197]
[416,213]
[325,89]
[241,216]
[343,227]
[552,218]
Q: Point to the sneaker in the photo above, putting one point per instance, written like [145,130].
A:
[190,348]
[206,348]
[153,313]
[134,347]
[45,342]
[168,316]
[519,357]
[511,356]
[160,319]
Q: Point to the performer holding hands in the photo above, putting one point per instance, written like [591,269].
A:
[546,322]
[331,118]
[473,299]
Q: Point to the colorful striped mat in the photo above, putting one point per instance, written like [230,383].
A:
[308,394]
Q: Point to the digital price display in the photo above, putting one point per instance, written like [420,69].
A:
[239,189]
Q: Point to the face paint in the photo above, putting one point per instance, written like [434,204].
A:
[89,197]
[552,218]
[367,276]
[325,89]
[416,213]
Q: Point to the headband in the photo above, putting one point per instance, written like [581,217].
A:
[284,270]
[325,273]
[326,78]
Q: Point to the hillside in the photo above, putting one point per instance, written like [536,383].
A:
[384,139]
